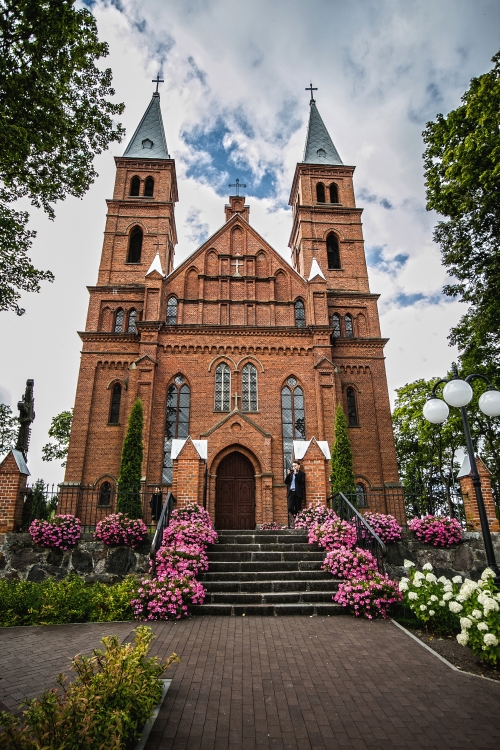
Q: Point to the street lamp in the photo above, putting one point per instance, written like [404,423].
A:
[458,393]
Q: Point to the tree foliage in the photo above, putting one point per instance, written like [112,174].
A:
[342,475]
[56,116]
[129,482]
[462,171]
[59,430]
[9,425]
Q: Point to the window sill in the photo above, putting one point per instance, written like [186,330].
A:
[335,269]
[354,426]
[133,263]
[108,505]
[113,424]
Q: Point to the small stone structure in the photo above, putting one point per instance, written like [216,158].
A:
[469,496]
[13,476]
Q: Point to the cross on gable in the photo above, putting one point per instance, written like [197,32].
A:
[236,397]
[157,80]
[237,185]
[237,263]
[311,89]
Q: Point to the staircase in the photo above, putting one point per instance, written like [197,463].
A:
[266,573]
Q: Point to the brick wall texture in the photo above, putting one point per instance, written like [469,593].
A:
[236,305]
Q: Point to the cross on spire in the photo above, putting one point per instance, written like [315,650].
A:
[311,89]
[157,80]
[237,185]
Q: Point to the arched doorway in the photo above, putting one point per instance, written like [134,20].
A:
[235,493]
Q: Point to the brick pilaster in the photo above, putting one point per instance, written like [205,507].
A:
[316,468]
[13,476]
[470,502]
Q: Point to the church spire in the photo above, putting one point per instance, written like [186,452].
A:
[319,146]
[148,141]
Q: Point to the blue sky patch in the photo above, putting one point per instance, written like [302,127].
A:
[375,259]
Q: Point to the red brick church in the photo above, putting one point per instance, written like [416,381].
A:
[236,349]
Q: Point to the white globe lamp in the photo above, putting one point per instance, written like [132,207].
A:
[457,393]
[489,403]
[436,410]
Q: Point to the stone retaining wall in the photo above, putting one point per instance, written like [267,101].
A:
[93,560]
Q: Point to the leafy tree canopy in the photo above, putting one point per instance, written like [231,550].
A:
[9,425]
[59,430]
[462,171]
[56,116]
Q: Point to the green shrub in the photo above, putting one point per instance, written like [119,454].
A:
[106,706]
[69,600]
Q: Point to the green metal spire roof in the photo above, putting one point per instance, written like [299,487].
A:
[319,146]
[148,141]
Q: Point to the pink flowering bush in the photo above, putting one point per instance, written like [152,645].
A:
[271,526]
[118,528]
[167,597]
[437,530]
[350,563]
[194,513]
[177,561]
[61,533]
[183,532]
[313,514]
[369,597]
[385,526]
[333,533]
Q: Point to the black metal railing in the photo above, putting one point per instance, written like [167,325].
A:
[366,538]
[163,523]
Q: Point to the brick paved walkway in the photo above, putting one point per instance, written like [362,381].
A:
[287,682]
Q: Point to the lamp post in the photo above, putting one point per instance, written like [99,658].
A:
[458,393]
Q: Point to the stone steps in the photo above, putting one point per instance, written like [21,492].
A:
[267,573]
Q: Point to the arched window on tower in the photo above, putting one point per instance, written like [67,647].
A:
[172,311]
[332,251]
[177,422]
[149,187]
[135,246]
[337,333]
[105,493]
[300,314]
[349,329]
[114,409]
[360,495]
[293,419]
[352,410]
[334,193]
[132,321]
[119,321]
[222,387]
[135,185]
[320,192]
[249,388]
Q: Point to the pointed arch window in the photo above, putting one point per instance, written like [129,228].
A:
[349,329]
[135,246]
[177,421]
[249,388]
[105,493]
[360,495]
[332,251]
[222,387]
[352,409]
[135,185]
[132,321]
[336,326]
[320,192]
[334,193]
[149,187]
[293,418]
[300,314]
[172,311]
[114,409]
[119,321]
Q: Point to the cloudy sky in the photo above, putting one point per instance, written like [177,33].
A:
[234,105]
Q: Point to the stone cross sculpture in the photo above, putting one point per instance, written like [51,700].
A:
[26,416]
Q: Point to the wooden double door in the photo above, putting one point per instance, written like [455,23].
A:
[235,493]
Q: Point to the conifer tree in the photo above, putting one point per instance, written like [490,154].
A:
[129,482]
[342,476]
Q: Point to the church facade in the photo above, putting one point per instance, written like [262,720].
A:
[235,347]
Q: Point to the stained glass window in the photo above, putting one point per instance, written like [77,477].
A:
[135,246]
[360,495]
[119,321]
[132,320]
[105,492]
[320,192]
[332,251]
[135,185]
[249,387]
[172,311]
[222,388]
[349,331]
[300,314]
[336,326]
[114,411]
[352,411]
[149,187]
[293,418]
[177,422]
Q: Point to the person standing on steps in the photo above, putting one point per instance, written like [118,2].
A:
[296,489]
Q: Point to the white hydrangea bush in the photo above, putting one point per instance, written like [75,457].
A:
[479,604]
[430,598]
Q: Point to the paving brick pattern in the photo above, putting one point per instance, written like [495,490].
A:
[291,682]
